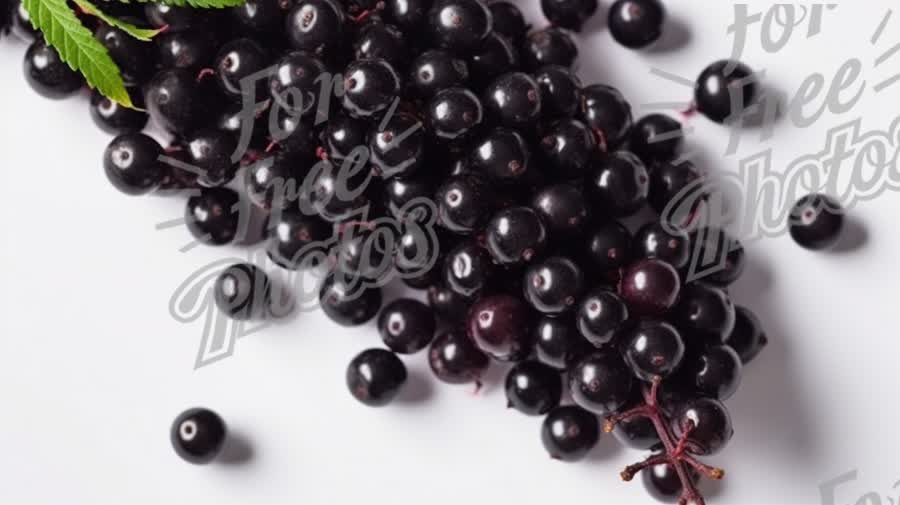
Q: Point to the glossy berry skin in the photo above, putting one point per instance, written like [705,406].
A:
[663,483]
[210,151]
[550,46]
[294,136]
[295,83]
[816,221]
[563,208]
[47,74]
[513,100]
[508,20]
[242,291]
[533,388]
[747,338]
[720,257]
[636,24]
[131,55]
[343,135]
[384,41]
[175,19]
[650,287]
[274,183]
[558,343]
[714,372]
[724,90]
[607,248]
[515,236]
[600,315]
[407,326]
[131,162]
[453,114]
[569,433]
[503,156]
[212,216]
[197,435]
[454,359]
[400,191]
[398,149]
[705,314]
[653,349]
[664,242]
[113,118]
[606,112]
[409,15]
[468,269]
[500,325]
[175,178]
[370,86]
[449,306]
[560,92]
[375,376]
[258,18]
[175,100]
[712,426]
[656,138]
[554,285]
[316,26]
[355,255]
[496,56]
[459,25]
[679,184]
[435,70]
[464,203]
[21,24]
[292,239]
[238,60]
[601,382]
[637,433]
[570,14]
[568,149]
[619,185]
[188,49]
[347,301]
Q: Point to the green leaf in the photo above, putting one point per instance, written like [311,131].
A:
[77,46]
[199,4]
[144,34]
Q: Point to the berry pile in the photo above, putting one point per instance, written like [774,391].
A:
[333,115]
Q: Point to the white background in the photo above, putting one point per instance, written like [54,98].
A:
[93,368]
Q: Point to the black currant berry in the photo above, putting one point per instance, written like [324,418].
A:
[114,118]
[48,74]
[176,101]
[503,156]
[173,19]
[656,138]
[676,184]
[243,291]
[187,49]
[720,258]
[550,46]
[459,25]
[508,20]
[344,135]
[213,216]
[210,152]
[601,382]
[400,191]
[619,185]
[816,221]
[663,483]
[407,326]
[296,240]
[198,435]
[375,376]
[515,236]
[563,208]
[296,82]
[554,285]
[650,287]
[560,92]
[724,90]
[570,14]
[453,114]
[464,203]
[533,388]
[600,315]
[747,338]
[132,56]
[607,113]
[569,433]
[607,248]
[454,359]
[236,62]
[664,242]
[435,70]
[347,301]
[370,87]
[316,26]
[448,305]
[500,325]
[704,314]
[714,372]
[709,423]
[514,100]
[398,149]
[496,56]
[653,349]
[380,40]
[637,23]
[568,148]
[409,15]
[468,269]
[132,165]
[558,343]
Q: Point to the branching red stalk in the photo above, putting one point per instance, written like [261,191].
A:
[675,449]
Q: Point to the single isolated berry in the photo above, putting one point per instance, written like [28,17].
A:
[132,164]
[198,435]
[816,221]
[724,90]
[375,376]
[48,74]
[637,23]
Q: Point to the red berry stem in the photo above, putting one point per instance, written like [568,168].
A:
[675,449]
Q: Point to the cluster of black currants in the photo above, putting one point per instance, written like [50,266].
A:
[531,174]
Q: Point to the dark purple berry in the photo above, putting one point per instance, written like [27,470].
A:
[816,221]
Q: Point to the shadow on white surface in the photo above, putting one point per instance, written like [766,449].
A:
[677,35]
[237,451]
[853,238]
